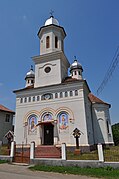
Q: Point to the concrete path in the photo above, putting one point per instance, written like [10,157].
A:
[22,172]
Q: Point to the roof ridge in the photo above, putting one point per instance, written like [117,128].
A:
[3,108]
[95,99]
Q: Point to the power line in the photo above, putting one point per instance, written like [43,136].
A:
[110,71]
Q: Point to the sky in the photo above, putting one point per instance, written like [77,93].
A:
[92,28]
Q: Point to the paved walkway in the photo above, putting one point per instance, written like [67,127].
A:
[22,172]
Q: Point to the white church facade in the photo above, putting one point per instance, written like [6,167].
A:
[53,104]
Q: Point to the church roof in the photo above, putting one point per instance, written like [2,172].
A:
[70,79]
[3,108]
[95,99]
[67,80]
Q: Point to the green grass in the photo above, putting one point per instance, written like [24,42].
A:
[4,150]
[111,154]
[84,156]
[106,173]
[3,161]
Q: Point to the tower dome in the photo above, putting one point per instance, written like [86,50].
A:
[30,77]
[75,65]
[30,74]
[76,70]
[51,20]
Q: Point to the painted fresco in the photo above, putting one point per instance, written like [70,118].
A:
[32,121]
[63,120]
[47,117]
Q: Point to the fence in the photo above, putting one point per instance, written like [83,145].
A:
[21,153]
[111,154]
[26,153]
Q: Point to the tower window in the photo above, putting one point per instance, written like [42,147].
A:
[79,73]
[47,69]
[56,42]
[32,81]
[47,42]
[75,72]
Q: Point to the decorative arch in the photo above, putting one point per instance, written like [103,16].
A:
[47,114]
[64,116]
[30,113]
[67,110]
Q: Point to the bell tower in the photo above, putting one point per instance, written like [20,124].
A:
[51,66]
[51,36]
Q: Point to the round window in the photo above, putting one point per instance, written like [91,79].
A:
[47,69]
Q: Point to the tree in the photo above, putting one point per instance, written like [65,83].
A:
[115,131]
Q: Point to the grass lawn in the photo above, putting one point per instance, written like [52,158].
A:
[111,154]
[3,161]
[106,173]
[84,156]
[4,150]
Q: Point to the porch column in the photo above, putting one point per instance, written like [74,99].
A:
[55,134]
[32,150]
[40,135]
[63,150]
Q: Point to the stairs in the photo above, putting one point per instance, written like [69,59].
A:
[47,151]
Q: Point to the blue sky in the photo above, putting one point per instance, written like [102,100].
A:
[92,28]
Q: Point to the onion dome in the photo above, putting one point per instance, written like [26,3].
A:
[30,74]
[51,20]
[75,65]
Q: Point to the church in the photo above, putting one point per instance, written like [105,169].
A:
[54,103]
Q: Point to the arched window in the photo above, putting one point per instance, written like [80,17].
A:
[47,42]
[75,72]
[56,42]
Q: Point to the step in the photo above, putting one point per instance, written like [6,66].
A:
[47,152]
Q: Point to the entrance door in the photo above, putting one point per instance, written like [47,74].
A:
[48,134]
